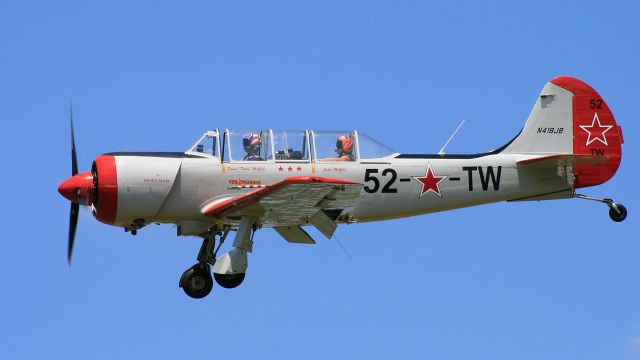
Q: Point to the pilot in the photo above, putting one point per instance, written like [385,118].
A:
[252,144]
[344,149]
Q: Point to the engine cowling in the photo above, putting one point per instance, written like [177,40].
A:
[130,188]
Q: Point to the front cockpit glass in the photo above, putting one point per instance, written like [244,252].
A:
[371,149]
[206,145]
[291,145]
[335,145]
[248,145]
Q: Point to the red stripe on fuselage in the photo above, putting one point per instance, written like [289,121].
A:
[107,205]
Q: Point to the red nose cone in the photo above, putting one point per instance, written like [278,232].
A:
[77,188]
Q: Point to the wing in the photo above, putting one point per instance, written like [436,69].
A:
[292,202]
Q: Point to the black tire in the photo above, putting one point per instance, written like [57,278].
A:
[613,214]
[197,282]
[229,281]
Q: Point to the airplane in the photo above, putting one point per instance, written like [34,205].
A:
[249,179]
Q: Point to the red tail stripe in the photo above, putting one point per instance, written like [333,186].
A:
[595,132]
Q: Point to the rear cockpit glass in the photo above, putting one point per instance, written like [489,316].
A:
[248,145]
[291,145]
[371,149]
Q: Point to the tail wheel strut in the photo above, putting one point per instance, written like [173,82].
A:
[617,212]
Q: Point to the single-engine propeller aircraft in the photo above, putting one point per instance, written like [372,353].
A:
[245,180]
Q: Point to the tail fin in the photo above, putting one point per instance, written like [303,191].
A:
[570,117]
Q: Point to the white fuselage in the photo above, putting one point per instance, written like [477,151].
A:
[174,189]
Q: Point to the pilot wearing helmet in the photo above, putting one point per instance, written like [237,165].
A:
[344,149]
[252,144]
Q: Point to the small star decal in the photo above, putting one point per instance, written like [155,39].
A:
[430,182]
[299,168]
[279,168]
[289,168]
[596,131]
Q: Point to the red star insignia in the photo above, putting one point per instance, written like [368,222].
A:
[596,131]
[299,168]
[279,168]
[430,182]
[290,168]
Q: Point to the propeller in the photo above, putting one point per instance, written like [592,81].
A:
[75,207]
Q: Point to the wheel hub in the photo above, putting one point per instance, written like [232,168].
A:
[197,282]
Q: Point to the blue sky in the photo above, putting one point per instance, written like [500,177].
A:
[550,280]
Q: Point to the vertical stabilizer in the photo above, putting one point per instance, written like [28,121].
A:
[570,117]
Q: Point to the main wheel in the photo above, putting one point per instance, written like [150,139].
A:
[197,282]
[229,281]
[617,217]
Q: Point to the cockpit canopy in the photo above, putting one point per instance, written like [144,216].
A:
[257,145]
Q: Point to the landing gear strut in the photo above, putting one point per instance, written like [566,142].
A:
[197,281]
[229,271]
[617,212]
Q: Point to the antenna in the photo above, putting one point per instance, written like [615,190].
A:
[441,152]
[343,249]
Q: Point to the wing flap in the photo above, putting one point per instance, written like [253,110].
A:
[295,234]
[323,223]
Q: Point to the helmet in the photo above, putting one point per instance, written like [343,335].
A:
[344,144]
[251,141]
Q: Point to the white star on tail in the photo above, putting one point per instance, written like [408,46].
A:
[596,131]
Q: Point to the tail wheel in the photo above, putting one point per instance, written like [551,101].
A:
[618,216]
[197,282]
[229,281]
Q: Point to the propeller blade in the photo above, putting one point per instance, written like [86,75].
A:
[75,207]
[73,222]
[74,159]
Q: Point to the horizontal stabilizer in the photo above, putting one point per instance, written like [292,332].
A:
[563,160]
[563,194]
[294,234]
[556,171]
